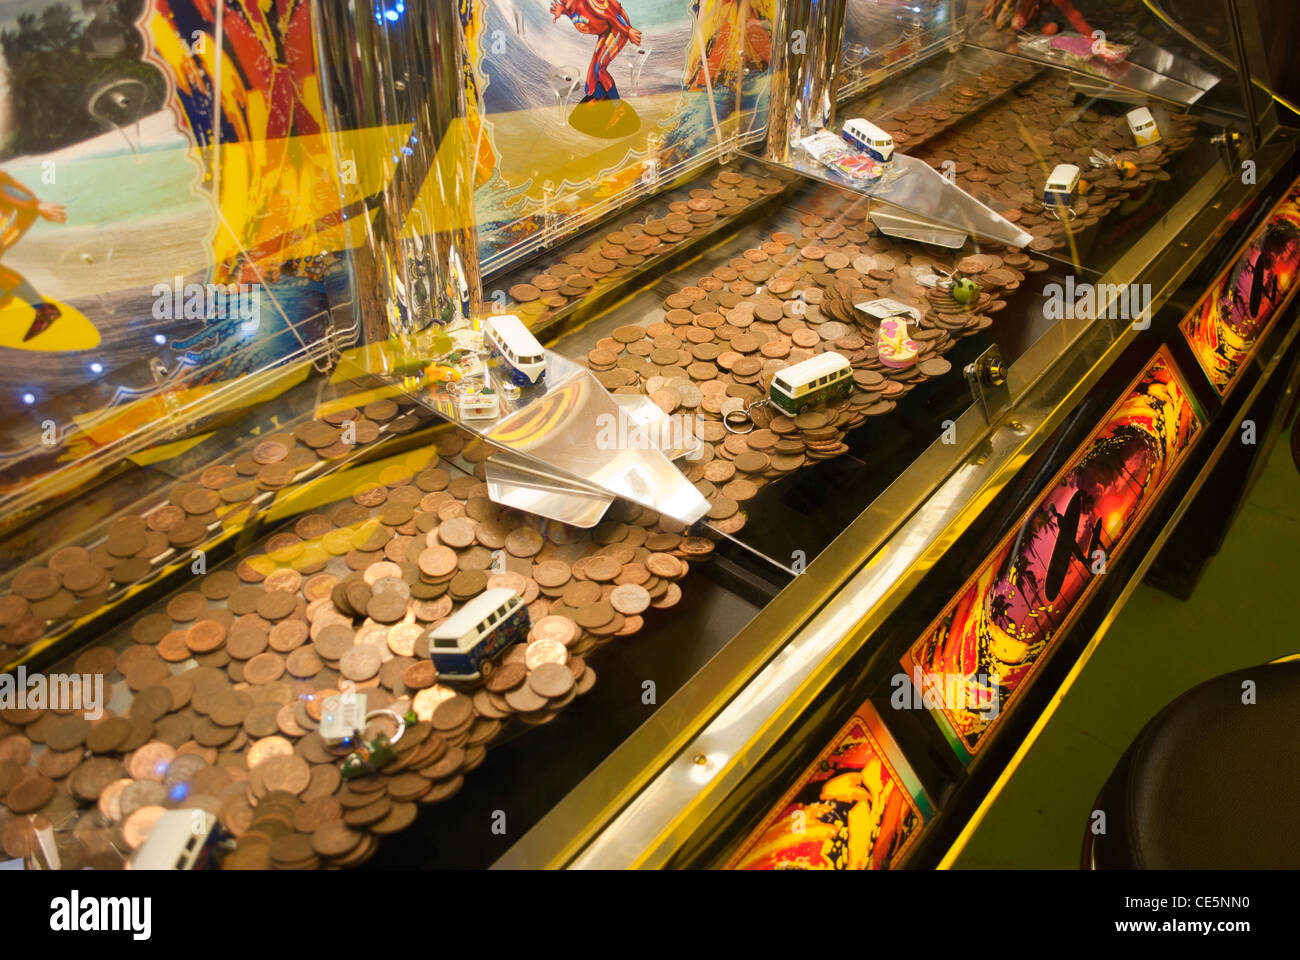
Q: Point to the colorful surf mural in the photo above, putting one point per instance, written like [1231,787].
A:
[1011,614]
[577,106]
[1233,315]
[152,148]
[858,806]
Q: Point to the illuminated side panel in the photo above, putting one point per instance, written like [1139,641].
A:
[858,806]
[1235,313]
[1011,614]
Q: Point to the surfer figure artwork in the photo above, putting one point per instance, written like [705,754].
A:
[19,209]
[601,112]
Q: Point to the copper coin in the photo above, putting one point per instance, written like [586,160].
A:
[38,583]
[437,561]
[303,662]
[30,793]
[216,477]
[270,451]
[199,502]
[335,839]
[185,607]
[288,635]
[453,713]
[291,774]
[150,761]
[107,735]
[205,636]
[361,662]
[387,607]
[552,573]
[557,629]
[13,609]
[276,604]
[544,651]
[137,827]
[401,638]
[551,680]
[65,733]
[420,675]
[524,542]
[663,565]
[507,677]
[266,748]
[630,599]
[456,532]
[264,668]
[334,640]
[525,699]
[61,561]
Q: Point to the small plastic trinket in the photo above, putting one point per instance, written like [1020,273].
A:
[895,347]
[965,290]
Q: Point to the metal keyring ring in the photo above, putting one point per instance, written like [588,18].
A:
[385,712]
[744,418]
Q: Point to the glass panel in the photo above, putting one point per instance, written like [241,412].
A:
[174,248]
[559,114]
[1178,52]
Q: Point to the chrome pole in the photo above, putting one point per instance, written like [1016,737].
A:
[395,99]
[807,40]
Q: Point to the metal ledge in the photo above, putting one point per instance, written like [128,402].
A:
[1230,436]
[642,802]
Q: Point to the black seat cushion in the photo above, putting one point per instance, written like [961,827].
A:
[1211,782]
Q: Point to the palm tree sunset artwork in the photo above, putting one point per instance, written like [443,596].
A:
[1009,616]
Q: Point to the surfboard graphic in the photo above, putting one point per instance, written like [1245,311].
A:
[72,331]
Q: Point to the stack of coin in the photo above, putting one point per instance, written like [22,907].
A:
[580,271]
[75,581]
[269,838]
[1003,156]
[915,124]
[226,681]
[723,338]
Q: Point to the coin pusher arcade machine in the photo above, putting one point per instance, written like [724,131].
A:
[777,615]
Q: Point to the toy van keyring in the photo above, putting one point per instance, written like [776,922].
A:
[365,758]
[349,736]
[463,646]
[963,289]
[1143,126]
[514,350]
[1058,192]
[1126,168]
[810,383]
[797,388]
[867,136]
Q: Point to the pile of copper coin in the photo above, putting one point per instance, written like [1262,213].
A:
[217,695]
[915,124]
[793,296]
[627,249]
[1004,156]
[75,581]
